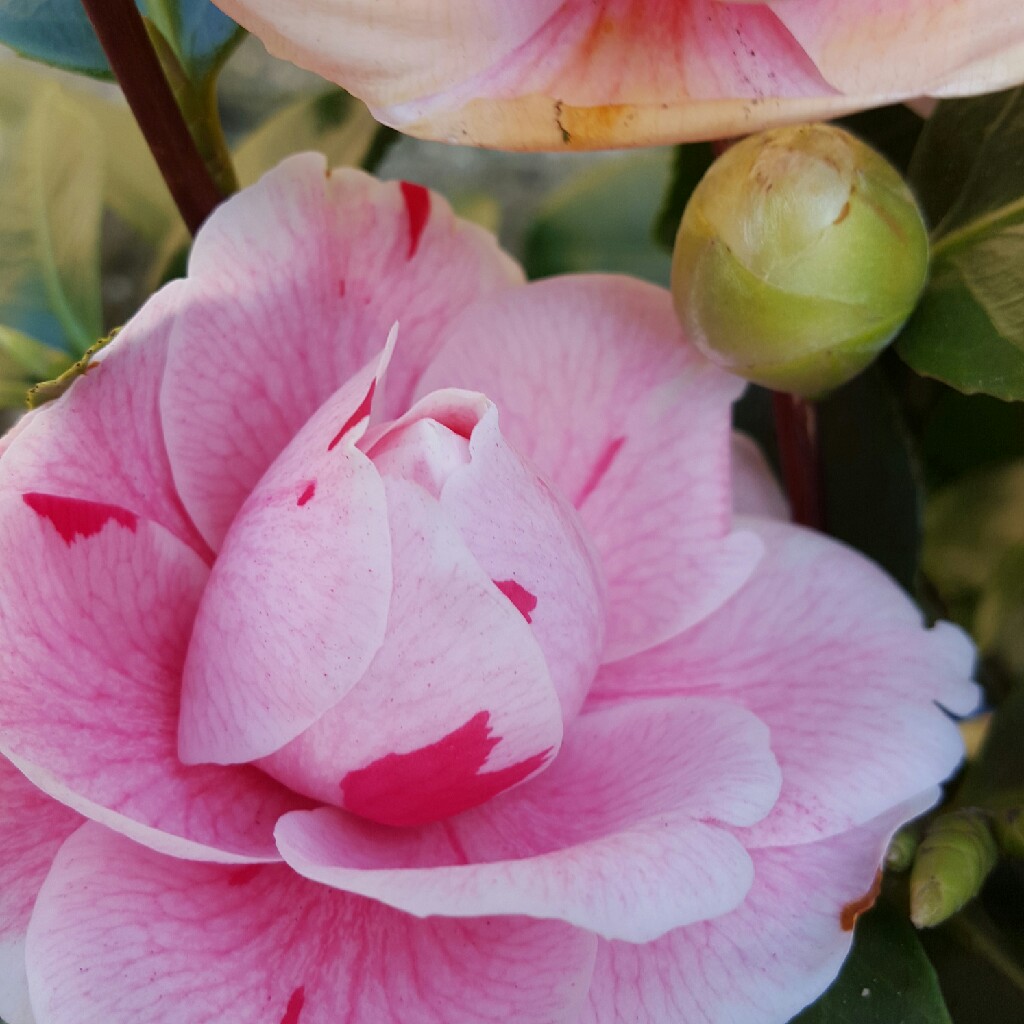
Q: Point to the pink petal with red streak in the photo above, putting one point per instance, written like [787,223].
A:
[103,440]
[619,835]
[458,703]
[96,606]
[122,935]
[32,828]
[298,598]
[265,310]
[833,656]
[764,961]
[597,386]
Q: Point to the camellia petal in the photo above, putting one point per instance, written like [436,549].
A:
[624,853]
[32,827]
[95,614]
[594,74]
[827,633]
[292,287]
[260,945]
[767,959]
[637,440]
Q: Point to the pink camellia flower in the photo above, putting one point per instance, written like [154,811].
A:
[593,74]
[457,671]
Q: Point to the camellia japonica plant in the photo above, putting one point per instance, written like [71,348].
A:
[614,624]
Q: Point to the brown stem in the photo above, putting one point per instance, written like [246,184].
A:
[796,429]
[122,34]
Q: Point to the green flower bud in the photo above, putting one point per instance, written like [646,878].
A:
[902,849]
[800,255]
[952,864]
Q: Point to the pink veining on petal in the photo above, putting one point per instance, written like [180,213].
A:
[342,288]
[601,467]
[307,493]
[294,1007]
[361,413]
[521,598]
[436,781]
[417,206]
[73,517]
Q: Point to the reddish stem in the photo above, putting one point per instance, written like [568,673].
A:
[123,36]
[796,429]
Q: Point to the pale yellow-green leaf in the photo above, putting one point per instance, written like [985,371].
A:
[334,123]
[52,164]
[993,271]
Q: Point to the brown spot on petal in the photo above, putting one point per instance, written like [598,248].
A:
[843,213]
[849,914]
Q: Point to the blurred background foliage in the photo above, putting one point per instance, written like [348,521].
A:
[923,454]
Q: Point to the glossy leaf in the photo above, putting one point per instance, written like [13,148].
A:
[601,221]
[52,166]
[969,327]
[887,978]
[58,32]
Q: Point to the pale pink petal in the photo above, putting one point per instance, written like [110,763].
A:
[766,960]
[596,384]
[905,46]
[755,491]
[297,602]
[833,656]
[96,605]
[293,285]
[122,935]
[457,706]
[609,838]
[530,542]
[32,827]
[103,441]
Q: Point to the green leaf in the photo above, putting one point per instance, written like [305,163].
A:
[887,978]
[52,165]
[968,330]
[601,221]
[870,476]
[892,130]
[58,32]
[332,122]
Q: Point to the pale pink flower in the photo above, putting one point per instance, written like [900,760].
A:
[426,674]
[592,74]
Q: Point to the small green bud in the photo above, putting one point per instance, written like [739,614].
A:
[953,861]
[800,255]
[902,849]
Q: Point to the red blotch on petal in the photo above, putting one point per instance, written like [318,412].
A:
[341,289]
[436,781]
[524,601]
[601,467]
[849,914]
[294,1007]
[73,517]
[361,413]
[417,206]
[308,492]
[243,876]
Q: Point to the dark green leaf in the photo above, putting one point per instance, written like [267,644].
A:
[688,167]
[872,497]
[887,979]
[58,32]
[601,221]
[968,169]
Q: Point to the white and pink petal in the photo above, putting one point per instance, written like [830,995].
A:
[96,609]
[122,935]
[292,287]
[835,659]
[597,386]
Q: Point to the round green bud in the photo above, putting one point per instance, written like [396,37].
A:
[800,255]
